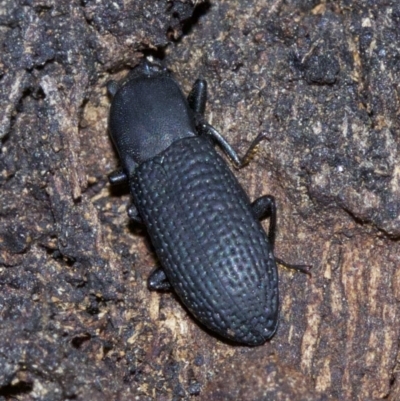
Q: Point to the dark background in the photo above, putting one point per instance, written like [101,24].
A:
[321,77]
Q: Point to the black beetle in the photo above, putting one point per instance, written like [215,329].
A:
[207,234]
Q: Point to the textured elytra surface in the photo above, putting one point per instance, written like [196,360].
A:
[215,253]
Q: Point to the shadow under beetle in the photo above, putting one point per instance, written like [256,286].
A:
[207,234]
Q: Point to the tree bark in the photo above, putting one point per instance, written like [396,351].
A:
[321,78]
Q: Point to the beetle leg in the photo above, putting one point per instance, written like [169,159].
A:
[197,101]
[112,87]
[158,281]
[198,97]
[239,162]
[118,177]
[263,208]
[133,214]
[299,268]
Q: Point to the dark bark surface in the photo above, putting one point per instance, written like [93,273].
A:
[322,78]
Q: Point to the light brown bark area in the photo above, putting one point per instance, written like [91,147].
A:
[76,317]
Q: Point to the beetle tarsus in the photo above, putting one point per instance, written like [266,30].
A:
[252,149]
[300,268]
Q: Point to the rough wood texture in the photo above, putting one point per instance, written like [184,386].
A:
[76,318]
